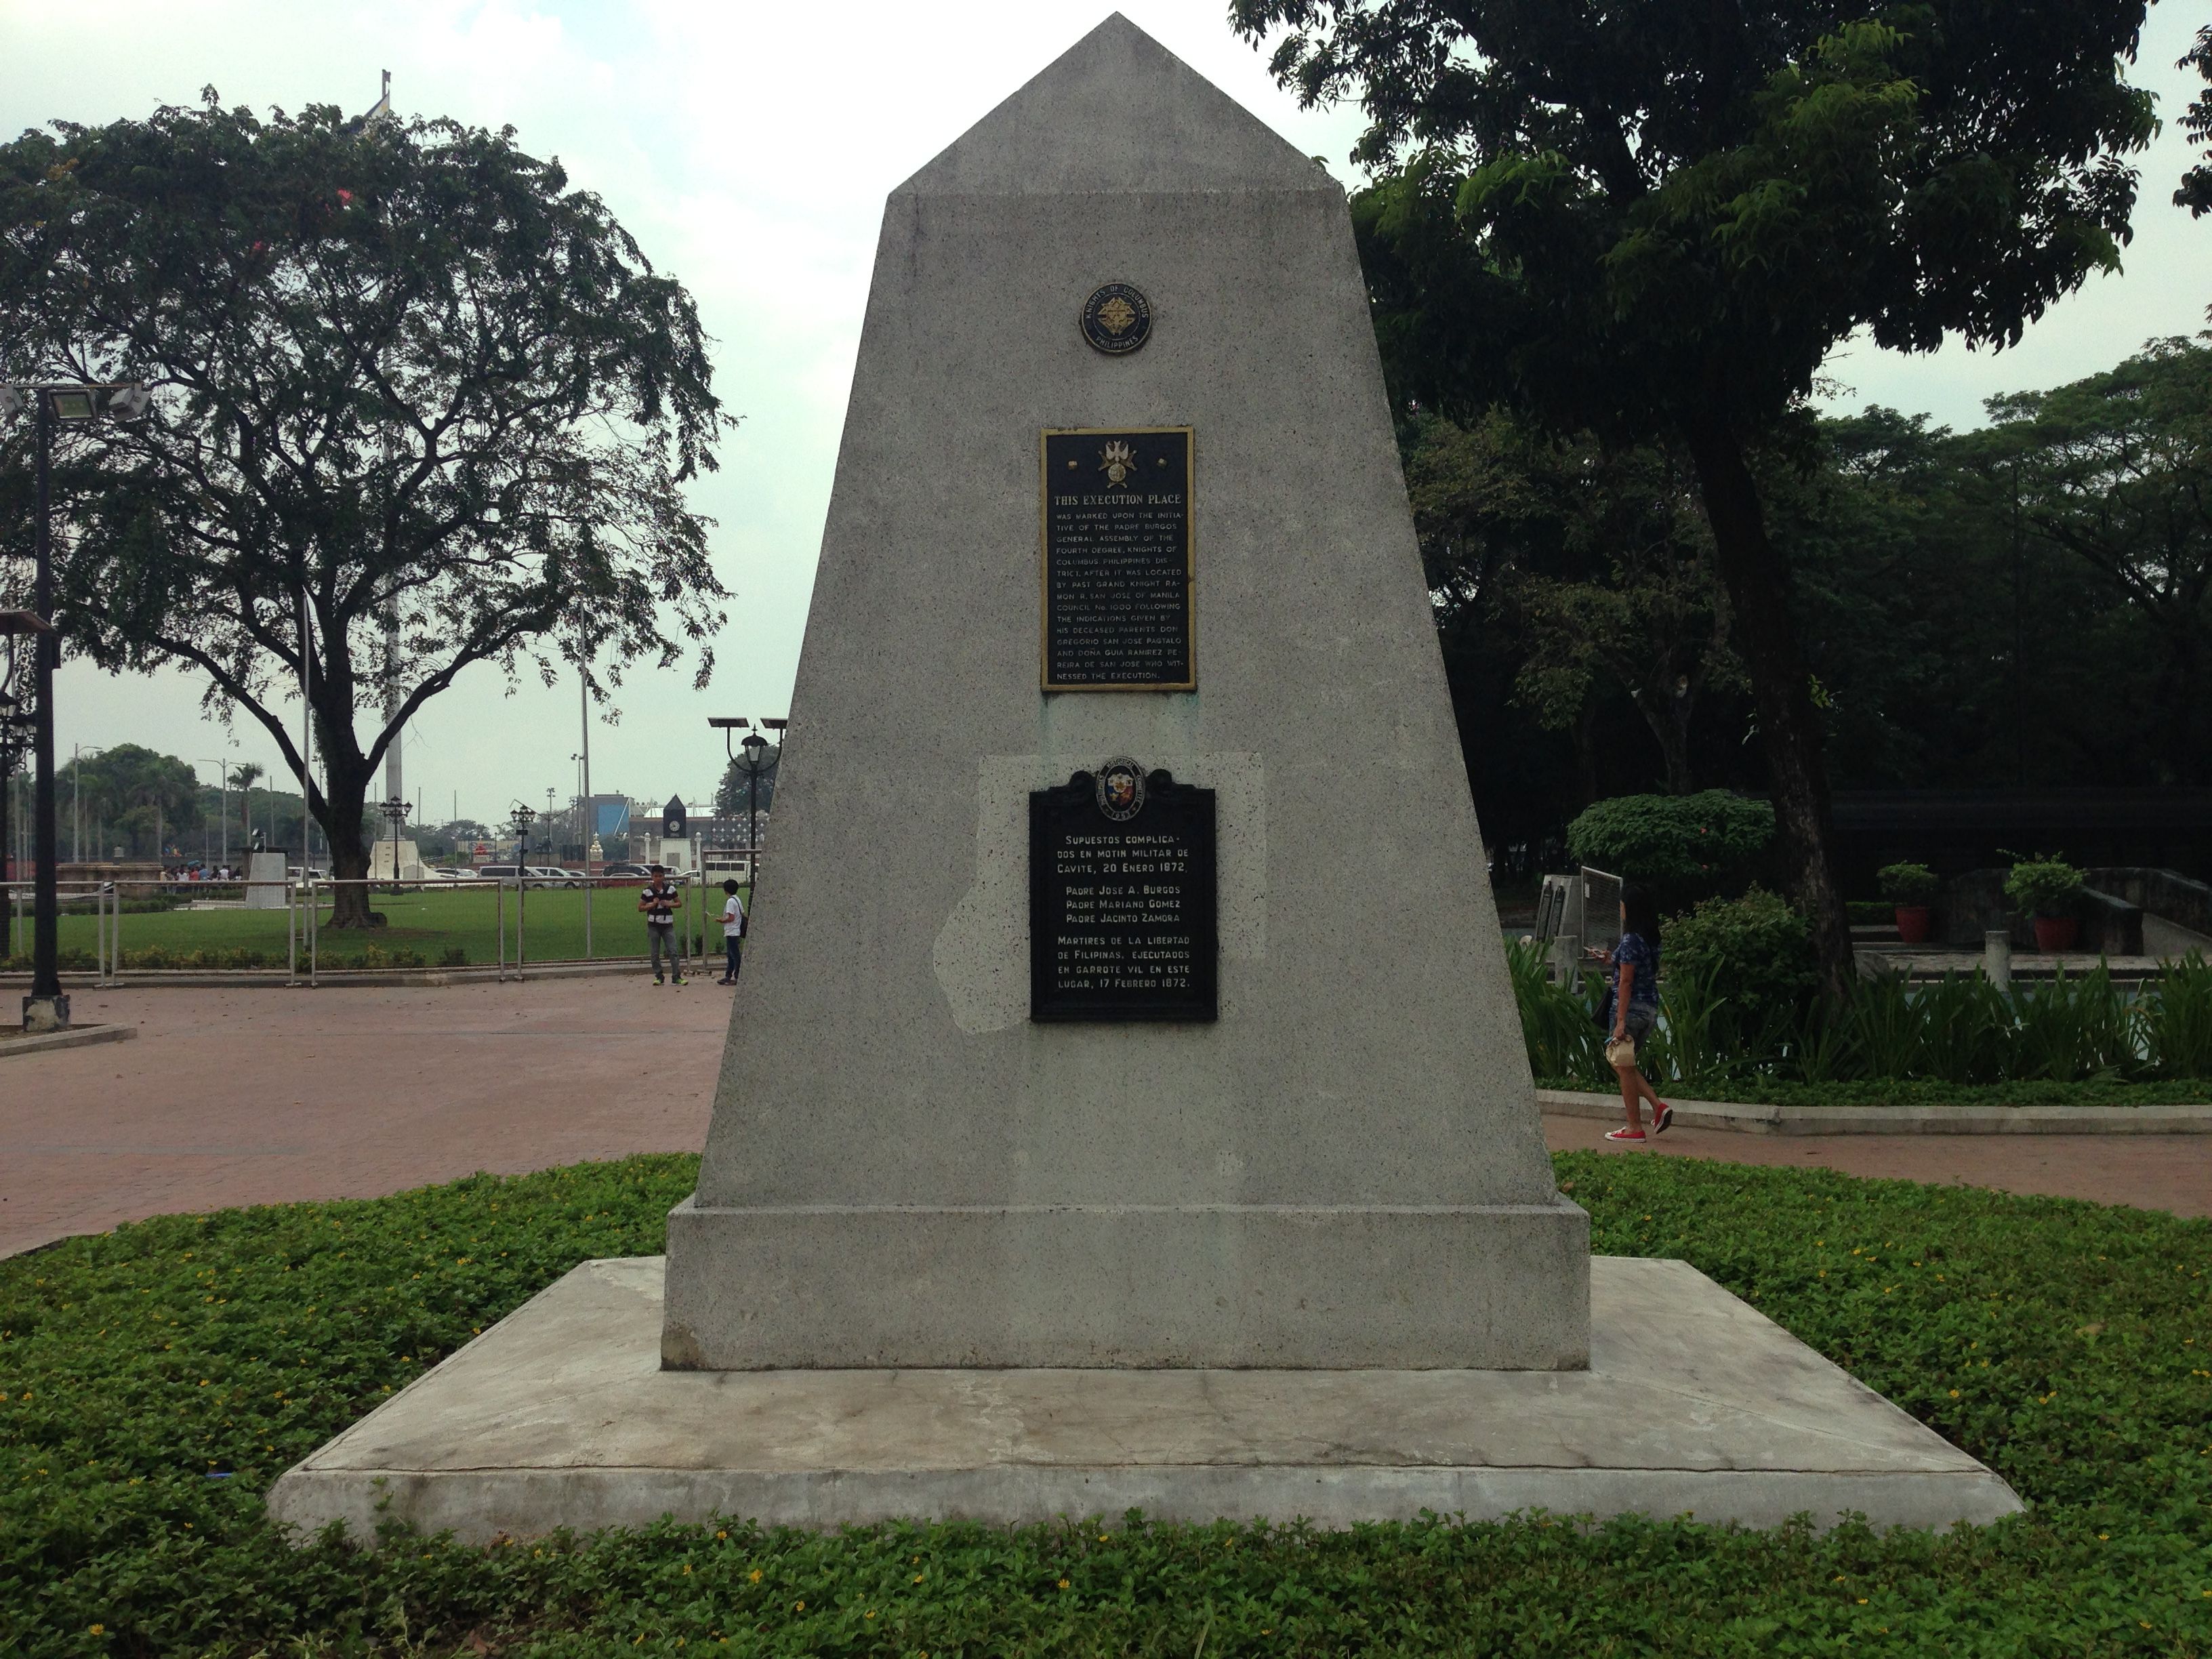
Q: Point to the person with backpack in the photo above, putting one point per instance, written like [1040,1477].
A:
[658,901]
[733,929]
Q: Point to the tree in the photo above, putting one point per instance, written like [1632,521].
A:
[145,797]
[1653,221]
[2115,469]
[2196,192]
[1596,560]
[406,380]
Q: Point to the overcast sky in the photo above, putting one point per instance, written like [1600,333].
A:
[749,149]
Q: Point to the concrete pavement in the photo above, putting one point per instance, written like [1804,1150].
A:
[268,1096]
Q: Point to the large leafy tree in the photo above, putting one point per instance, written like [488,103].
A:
[1594,559]
[2115,469]
[406,378]
[1652,220]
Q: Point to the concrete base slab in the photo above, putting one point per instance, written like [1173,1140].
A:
[560,1415]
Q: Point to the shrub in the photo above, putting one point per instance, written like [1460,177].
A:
[1753,958]
[1907,883]
[1686,846]
[2043,886]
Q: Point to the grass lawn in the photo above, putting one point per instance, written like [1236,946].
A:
[429,924]
[158,1379]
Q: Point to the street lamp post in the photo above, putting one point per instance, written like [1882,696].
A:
[395,812]
[16,717]
[755,765]
[46,1009]
[222,795]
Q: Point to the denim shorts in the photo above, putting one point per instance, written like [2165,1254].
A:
[1642,1017]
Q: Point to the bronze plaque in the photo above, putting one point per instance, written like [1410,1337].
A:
[1123,922]
[1118,569]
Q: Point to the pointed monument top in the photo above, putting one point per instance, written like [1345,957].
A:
[1117,113]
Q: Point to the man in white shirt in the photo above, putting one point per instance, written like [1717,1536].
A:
[733,929]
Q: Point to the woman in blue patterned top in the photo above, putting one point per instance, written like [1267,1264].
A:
[1631,1010]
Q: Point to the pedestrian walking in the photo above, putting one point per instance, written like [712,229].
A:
[733,929]
[658,901]
[1630,1013]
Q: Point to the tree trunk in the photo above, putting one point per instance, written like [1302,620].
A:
[1757,593]
[342,800]
[1669,717]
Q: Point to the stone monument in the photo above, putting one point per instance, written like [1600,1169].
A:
[1189,551]
[1126,1102]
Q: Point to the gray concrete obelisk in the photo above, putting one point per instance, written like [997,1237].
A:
[1346,1169]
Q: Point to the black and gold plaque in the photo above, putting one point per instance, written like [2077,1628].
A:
[1123,917]
[1115,517]
[1117,320]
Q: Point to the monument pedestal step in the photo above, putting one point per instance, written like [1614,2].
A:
[560,1416]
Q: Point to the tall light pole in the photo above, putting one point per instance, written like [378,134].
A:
[222,794]
[77,752]
[46,1009]
[19,645]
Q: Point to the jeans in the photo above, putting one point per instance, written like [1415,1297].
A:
[730,946]
[664,939]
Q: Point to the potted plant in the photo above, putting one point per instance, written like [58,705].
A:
[1909,887]
[2045,887]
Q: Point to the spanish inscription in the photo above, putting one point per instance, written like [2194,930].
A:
[1122,918]
[1118,561]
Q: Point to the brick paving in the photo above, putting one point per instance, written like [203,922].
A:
[268,1096]
[2159,1172]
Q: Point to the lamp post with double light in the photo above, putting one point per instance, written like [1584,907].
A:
[395,812]
[755,765]
[69,402]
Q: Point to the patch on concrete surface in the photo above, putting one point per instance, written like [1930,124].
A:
[76,1036]
[1694,1403]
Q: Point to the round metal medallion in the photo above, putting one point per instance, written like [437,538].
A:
[1117,320]
[1121,789]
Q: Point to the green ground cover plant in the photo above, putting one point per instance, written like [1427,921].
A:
[157,1380]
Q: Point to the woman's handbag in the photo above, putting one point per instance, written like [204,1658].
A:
[1620,1051]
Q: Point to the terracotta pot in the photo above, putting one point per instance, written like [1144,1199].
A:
[1912,922]
[2055,933]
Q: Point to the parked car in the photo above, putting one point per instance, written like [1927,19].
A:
[627,872]
[552,875]
[495,872]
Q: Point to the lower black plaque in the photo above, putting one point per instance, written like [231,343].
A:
[1122,924]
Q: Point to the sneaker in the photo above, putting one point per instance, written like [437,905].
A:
[658,980]
[679,979]
[1664,1120]
[1624,1134]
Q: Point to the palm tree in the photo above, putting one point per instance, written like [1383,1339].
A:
[242,779]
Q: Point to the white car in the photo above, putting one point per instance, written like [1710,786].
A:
[552,875]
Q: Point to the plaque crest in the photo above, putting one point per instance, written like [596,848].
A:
[1117,461]
[1117,320]
[1121,789]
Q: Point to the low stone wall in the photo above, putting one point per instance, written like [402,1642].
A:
[2166,893]
[1975,903]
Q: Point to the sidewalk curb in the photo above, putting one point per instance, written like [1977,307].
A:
[77,1036]
[1742,1119]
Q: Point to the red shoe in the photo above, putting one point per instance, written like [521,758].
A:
[1664,1119]
[1624,1134]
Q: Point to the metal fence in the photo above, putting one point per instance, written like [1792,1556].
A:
[306,893]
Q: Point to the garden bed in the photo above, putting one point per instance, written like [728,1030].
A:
[158,1379]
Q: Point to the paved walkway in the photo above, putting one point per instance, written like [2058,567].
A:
[2160,1172]
[263,1097]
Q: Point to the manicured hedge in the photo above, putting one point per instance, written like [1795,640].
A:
[159,1378]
